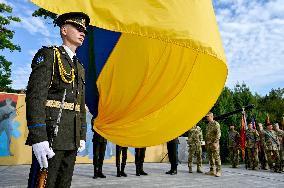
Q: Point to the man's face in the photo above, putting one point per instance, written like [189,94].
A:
[250,126]
[269,127]
[73,35]
[209,117]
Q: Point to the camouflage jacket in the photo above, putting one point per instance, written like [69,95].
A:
[280,134]
[271,140]
[195,136]
[213,133]
[262,138]
[252,137]
[45,83]
[233,138]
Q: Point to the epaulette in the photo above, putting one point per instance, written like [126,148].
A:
[50,46]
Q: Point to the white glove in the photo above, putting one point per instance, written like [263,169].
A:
[82,146]
[41,150]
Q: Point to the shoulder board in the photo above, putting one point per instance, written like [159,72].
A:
[50,46]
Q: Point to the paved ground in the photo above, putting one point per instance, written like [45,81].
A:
[16,176]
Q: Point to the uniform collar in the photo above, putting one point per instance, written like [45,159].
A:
[69,52]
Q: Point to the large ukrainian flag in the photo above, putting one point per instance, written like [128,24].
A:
[159,65]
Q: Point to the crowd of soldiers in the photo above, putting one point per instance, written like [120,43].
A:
[264,146]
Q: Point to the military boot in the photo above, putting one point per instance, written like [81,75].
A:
[122,173]
[218,172]
[137,169]
[174,169]
[100,172]
[95,172]
[199,169]
[142,171]
[189,169]
[210,172]
[171,170]
[118,171]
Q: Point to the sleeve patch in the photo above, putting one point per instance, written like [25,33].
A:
[40,59]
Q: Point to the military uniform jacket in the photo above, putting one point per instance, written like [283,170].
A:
[213,133]
[252,137]
[233,138]
[195,136]
[45,84]
[271,140]
[280,134]
[262,137]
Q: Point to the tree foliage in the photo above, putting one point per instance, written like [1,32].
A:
[6,36]
[45,14]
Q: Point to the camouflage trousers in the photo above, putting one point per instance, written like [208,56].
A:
[253,157]
[273,159]
[194,149]
[234,156]
[262,157]
[214,158]
[282,152]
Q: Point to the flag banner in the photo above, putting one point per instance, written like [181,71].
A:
[243,135]
[157,66]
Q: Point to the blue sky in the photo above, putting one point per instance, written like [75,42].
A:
[251,31]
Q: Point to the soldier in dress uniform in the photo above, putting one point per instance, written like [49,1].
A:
[252,139]
[58,77]
[123,151]
[195,138]
[173,157]
[213,134]
[139,160]
[99,148]
[233,145]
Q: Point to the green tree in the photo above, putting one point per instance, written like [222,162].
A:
[273,105]
[45,14]
[6,36]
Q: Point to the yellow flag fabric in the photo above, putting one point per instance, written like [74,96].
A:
[164,74]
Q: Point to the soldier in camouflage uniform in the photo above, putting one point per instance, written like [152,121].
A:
[195,138]
[233,145]
[213,134]
[271,148]
[280,134]
[53,74]
[252,139]
[262,153]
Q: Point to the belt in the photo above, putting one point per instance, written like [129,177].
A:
[66,106]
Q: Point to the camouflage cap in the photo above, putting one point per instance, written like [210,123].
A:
[276,125]
[209,113]
[75,18]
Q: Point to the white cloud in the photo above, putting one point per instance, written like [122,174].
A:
[33,25]
[20,76]
[252,34]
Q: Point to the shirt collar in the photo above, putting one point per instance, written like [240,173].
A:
[69,52]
